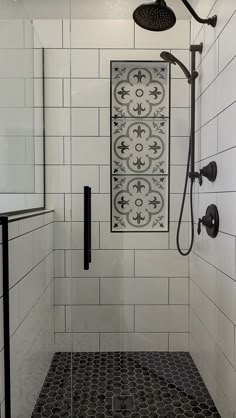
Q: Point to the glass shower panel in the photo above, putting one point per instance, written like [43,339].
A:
[21,189]
[21,112]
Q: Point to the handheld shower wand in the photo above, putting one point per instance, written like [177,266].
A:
[167,56]
[190,173]
[210,171]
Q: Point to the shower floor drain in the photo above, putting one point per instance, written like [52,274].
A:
[122,403]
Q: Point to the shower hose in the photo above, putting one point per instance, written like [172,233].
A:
[182,208]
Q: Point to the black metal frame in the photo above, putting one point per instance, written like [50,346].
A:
[44,131]
[19,212]
[169,151]
[6,315]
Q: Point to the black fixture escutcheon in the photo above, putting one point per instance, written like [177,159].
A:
[209,171]
[211,221]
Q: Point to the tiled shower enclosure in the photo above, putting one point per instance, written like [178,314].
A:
[144,331]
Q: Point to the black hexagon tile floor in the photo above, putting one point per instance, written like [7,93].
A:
[121,385]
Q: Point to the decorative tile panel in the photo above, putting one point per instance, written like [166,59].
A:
[140,89]
[139,202]
[139,146]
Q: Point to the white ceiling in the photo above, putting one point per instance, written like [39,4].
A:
[92,9]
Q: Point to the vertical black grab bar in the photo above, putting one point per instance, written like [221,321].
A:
[87,227]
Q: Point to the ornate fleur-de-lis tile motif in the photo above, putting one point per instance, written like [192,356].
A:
[140,90]
[140,203]
[140,146]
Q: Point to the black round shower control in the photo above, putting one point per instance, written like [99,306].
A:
[211,221]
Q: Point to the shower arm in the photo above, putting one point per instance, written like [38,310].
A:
[212,21]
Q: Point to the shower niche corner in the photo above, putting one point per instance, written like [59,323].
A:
[140,144]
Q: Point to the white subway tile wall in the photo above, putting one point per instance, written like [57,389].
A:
[212,264]
[132,275]
[31,295]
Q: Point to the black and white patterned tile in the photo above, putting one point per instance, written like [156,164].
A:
[116,385]
[140,89]
[140,203]
[140,146]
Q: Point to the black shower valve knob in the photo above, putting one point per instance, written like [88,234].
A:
[210,221]
[199,228]
[206,221]
[200,178]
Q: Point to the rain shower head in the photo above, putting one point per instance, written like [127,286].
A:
[166,56]
[155,16]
